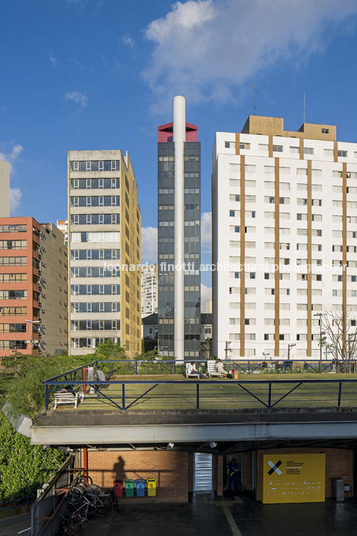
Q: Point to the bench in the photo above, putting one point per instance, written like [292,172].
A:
[192,375]
[67,398]
[211,368]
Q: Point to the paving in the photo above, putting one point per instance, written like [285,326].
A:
[208,516]
[13,525]
[220,517]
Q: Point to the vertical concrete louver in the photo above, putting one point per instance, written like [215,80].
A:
[179,135]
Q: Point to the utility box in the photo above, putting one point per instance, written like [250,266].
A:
[151,485]
[140,487]
[129,487]
[339,489]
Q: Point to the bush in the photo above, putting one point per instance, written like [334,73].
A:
[24,468]
[25,392]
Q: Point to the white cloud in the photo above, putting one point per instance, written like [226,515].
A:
[206,296]
[128,41]
[15,199]
[52,58]
[13,155]
[206,229]
[204,49]
[149,244]
[78,97]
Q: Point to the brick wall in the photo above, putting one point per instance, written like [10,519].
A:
[171,469]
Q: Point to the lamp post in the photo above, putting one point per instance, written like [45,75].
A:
[321,332]
[32,322]
[290,346]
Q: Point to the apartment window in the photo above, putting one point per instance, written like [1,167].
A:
[227,144]
[244,146]
[343,154]
[232,213]
[13,261]
[294,150]
[278,148]
[252,275]
[308,150]
[325,130]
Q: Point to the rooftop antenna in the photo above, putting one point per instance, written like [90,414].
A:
[254,88]
[304,111]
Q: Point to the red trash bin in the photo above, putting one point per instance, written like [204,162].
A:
[118,488]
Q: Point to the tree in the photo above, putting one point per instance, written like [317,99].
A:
[108,349]
[341,335]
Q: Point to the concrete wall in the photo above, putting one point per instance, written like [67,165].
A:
[54,295]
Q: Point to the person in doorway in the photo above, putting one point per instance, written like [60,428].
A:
[232,474]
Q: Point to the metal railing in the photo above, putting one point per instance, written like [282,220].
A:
[215,394]
[16,503]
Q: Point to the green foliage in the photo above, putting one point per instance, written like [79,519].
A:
[109,350]
[23,468]
[25,392]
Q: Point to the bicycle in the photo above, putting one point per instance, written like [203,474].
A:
[115,501]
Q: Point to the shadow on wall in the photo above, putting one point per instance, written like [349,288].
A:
[119,470]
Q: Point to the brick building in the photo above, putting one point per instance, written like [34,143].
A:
[33,287]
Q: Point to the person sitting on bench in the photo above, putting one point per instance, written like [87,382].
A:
[220,368]
[190,369]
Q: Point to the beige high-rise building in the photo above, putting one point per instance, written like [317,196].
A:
[104,226]
[4,189]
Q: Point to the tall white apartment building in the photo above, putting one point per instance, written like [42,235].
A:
[149,290]
[284,225]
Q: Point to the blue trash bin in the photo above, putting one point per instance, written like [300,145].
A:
[140,487]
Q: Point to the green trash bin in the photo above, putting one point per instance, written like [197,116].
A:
[151,487]
[129,487]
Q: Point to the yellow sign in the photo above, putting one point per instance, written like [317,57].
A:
[293,478]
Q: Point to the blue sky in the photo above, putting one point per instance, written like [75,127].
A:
[101,74]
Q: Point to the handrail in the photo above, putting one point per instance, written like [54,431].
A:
[244,385]
[249,366]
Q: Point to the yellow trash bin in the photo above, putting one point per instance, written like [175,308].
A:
[235,376]
[151,487]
